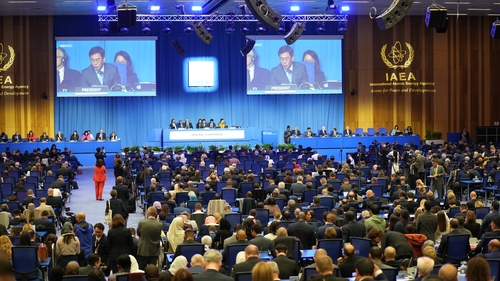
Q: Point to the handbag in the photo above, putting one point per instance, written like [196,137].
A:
[43,254]
[109,217]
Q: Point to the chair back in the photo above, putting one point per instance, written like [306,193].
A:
[192,203]
[454,211]
[333,247]
[21,195]
[391,273]
[6,189]
[189,251]
[246,187]
[378,190]
[14,174]
[458,248]
[260,195]
[263,216]
[308,195]
[285,224]
[243,276]
[308,272]
[229,195]
[280,202]
[361,245]
[75,278]
[365,172]
[170,217]
[494,268]
[207,196]
[481,212]
[370,131]
[234,219]
[199,219]
[25,262]
[32,179]
[341,177]
[296,250]
[219,186]
[232,251]
[181,197]
[359,132]
[122,277]
[156,196]
[382,131]
[318,213]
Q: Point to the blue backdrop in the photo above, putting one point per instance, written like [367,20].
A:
[133,117]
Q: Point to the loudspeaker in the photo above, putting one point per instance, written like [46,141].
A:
[126,16]
[392,15]
[202,32]
[248,47]
[443,27]
[294,33]
[178,47]
[435,16]
[264,14]
[495,30]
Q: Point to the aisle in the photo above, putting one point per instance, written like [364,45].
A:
[83,199]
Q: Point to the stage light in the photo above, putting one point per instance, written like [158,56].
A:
[242,8]
[166,27]
[124,30]
[244,28]
[196,8]
[104,27]
[345,8]
[260,28]
[342,27]
[188,27]
[294,8]
[229,27]
[146,27]
[208,26]
[154,9]
[180,9]
[321,28]
[282,28]
[101,9]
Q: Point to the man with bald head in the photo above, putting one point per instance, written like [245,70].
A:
[303,231]
[72,268]
[197,264]
[283,238]
[84,231]
[493,249]
[241,239]
[448,272]
[370,196]
[252,257]
[347,264]
[390,257]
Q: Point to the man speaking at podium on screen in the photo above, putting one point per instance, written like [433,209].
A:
[99,73]
[288,71]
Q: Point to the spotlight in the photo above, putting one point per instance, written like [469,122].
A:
[124,30]
[294,8]
[196,8]
[104,27]
[321,28]
[180,9]
[244,28]
[342,27]
[166,27]
[345,9]
[229,27]
[101,9]
[208,26]
[146,27]
[282,28]
[330,5]
[154,9]
[242,8]
[260,28]
[188,27]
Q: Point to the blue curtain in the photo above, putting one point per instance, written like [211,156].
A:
[132,118]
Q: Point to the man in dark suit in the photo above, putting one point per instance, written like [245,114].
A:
[438,173]
[347,131]
[99,243]
[93,264]
[365,271]
[410,205]
[303,231]
[252,257]
[324,266]
[213,261]
[420,164]
[353,228]
[52,200]
[283,238]
[188,240]
[101,136]
[133,251]
[188,124]
[99,72]
[260,241]
[493,249]
[490,217]
[149,245]
[323,133]
[427,222]
[329,222]
[399,242]
[28,199]
[121,190]
[494,234]
[288,71]
[116,205]
[44,224]
[298,187]
[454,225]
[348,262]
[390,257]
[257,77]
[16,137]
[67,78]
[425,266]
[288,267]
[197,262]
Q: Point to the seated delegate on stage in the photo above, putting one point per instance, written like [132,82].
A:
[211,124]
[98,72]
[347,131]
[113,136]
[296,133]
[409,131]
[74,136]
[323,133]
[334,133]
[181,125]
[311,56]
[44,137]
[395,131]
[59,136]
[188,124]
[222,123]
[101,136]
[287,134]
[200,124]
[309,133]
[67,78]
[288,71]
[124,58]
[172,126]
[257,77]
[16,137]
[87,136]
[4,137]
[30,137]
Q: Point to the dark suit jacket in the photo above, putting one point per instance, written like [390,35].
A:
[493,255]
[287,266]
[347,267]
[348,132]
[122,193]
[111,76]
[102,247]
[323,133]
[100,136]
[487,236]
[54,201]
[44,224]
[330,277]
[118,207]
[71,80]
[196,269]
[245,266]
[399,242]
[427,225]
[320,233]
[287,240]
[119,242]
[444,242]
[261,78]
[304,232]
[149,231]
[353,229]
[299,75]
[211,275]
[261,242]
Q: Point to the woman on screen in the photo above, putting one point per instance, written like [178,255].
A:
[124,57]
[311,56]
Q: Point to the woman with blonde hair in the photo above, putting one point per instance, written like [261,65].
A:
[262,272]
[6,245]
